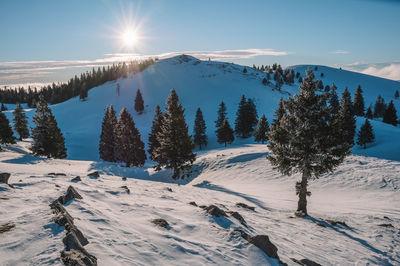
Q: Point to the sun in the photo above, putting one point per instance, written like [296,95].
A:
[129,38]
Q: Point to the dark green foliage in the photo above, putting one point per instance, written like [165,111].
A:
[129,148]
[155,129]
[390,115]
[305,138]
[3,108]
[47,137]
[20,122]
[365,135]
[244,70]
[334,100]
[369,113]
[320,85]
[265,81]
[396,94]
[322,74]
[176,146]
[344,119]
[108,138]
[199,136]
[380,107]
[83,94]
[139,103]
[261,132]
[221,115]
[225,133]
[6,133]
[246,118]
[358,102]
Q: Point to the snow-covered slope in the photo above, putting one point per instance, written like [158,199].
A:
[363,193]
[205,84]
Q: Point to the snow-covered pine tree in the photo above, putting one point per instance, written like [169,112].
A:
[225,133]
[334,100]
[47,137]
[6,133]
[176,146]
[199,136]
[366,134]
[155,129]
[246,118]
[358,102]
[369,113]
[261,132]
[344,119]
[130,148]
[139,103]
[221,115]
[390,115]
[380,107]
[107,145]
[20,122]
[305,139]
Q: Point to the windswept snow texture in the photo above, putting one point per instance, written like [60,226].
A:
[205,84]
[363,193]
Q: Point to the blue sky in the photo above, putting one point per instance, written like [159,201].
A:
[361,35]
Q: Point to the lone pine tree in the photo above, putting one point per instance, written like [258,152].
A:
[390,115]
[261,132]
[225,133]
[380,107]
[139,104]
[199,136]
[246,118]
[358,102]
[365,135]
[6,133]
[176,146]
[20,122]
[129,148]
[155,129]
[305,139]
[47,137]
[3,108]
[221,115]
[107,145]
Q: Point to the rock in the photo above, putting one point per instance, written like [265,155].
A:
[332,222]
[2,198]
[263,243]
[168,189]
[4,177]
[74,238]
[76,179]
[242,233]
[124,179]
[386,225]
[160,222]
[305,262]
[51,174]
[385,217]
[321,224]
[60,174]
[71,194]
[77,258]
[193,203]
[57,185]
[126,189]
[215,211]
[238,217]
[62,219]
[94,174]
[6,227]
[243,205]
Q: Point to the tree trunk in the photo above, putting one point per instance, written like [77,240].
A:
[302,204]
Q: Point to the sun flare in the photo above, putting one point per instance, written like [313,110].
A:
[129,38]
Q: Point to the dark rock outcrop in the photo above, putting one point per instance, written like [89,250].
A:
[193,203]
[126,189]
[238,217]
[168,189]
[76,258]
[160,222]
[332,222]
[4,177]
[71,194]
[76,179]
[305,262]
[243,205]
[94,174]
[263,243]
[386,225]
[214,211]
[6,227]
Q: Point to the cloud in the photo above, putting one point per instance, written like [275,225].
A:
[340,52]
[391,71]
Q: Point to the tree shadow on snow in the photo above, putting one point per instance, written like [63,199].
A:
[26,159]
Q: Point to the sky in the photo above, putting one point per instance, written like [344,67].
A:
[45,40]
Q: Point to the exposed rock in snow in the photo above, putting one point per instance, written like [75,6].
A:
[4,177]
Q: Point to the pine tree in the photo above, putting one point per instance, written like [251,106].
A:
[176,146]
[83,94]
[199,136]
[244,70]
[305,139]
[47,137]
[261,132]
[20,122]
[108,138]
[3,108]
[380,107]
[365,135]
[344,119]
[334,100]
[225,133]
[129,148]
[221,115]
[155,129]
[396,94]
[280,111]
[358,103]
[6,133]
[369,113]
[246,118]
[390,115]
[139,104]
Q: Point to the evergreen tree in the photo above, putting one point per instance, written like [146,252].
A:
[199,136]
[280,111]
[221,115]
[47,137]
[130,148]
[176,146]
[380,107]
[20,122]
[369,113]
[261,132]
[346,99]
[108,138]
[244,70]
[334,100]
[305,139]
[396,94]
[155,129]
[139,104]
[246,118]
[83,94]
[6,133]
[390,115]
[225,133]
[344,119]
[365,135]
[3,108]
[358,103]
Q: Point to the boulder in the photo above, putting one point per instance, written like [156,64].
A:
[4,177]
[160,222]
[71,194]
[243,205]
[305,262]
[168,189]
[386,225]
[238,217]
[126,189]
[77,258]
[215,211]
[193,203]
[263,243]
[6,227]
[94,174]
[76,179]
